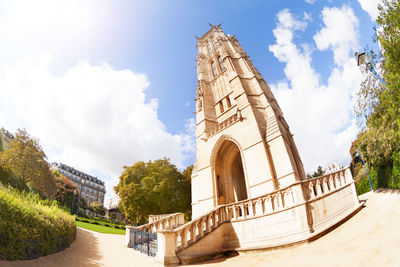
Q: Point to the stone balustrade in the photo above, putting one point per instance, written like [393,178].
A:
[223,125]
[190,232]
[154,218]
[325,184]
[170,221]
[319,191]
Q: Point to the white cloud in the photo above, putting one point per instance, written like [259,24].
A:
[307,16]
[320,115]
[310,1]
[340,32]
[27,27]
[371,7]
[286,19]
[91,117]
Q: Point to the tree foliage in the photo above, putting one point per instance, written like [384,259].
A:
[98,208]
[154,187]
[379,105]
[26,159]
[319,172]
[65,191]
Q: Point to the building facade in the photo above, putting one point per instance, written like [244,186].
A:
[244,147]
[93,189]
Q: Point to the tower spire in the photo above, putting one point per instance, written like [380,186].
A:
[244,147]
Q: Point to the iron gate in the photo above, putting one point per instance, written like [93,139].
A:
[144,242]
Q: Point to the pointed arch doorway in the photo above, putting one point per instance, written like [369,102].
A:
[229,175]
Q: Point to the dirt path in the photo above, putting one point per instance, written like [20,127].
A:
[370,238]
[89,249]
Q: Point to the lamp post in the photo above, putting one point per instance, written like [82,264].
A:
[79,199]
[358,154]
[365,63]
[73,202]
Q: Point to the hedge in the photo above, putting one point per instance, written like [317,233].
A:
[381,177]
[31,227]
[101,222]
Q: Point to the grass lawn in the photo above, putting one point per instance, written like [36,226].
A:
[100,228]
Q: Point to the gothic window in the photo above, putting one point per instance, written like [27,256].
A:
[221,64]
[214,69]
[228,102]
[221,107]
[209,49]
[215,44]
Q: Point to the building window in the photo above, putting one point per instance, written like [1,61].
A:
[221,64]
[228,102]
[214,69]
[215,44]
[209,49]
[221,106]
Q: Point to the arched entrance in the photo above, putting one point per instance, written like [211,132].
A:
[229,176]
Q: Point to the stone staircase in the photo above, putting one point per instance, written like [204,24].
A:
[299,212]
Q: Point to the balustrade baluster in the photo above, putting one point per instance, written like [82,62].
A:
[319,189]
[337,180]
[184,238]
[235,212]
[331,182]
[250,209]
[193,232]
[343,177]
[213,219]
[243,210]
[280,199]
[207,224]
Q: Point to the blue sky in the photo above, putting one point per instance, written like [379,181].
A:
[104,84]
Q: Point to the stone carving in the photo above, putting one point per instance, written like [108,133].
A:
[199,96]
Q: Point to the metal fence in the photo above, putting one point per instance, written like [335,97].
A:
[144,242]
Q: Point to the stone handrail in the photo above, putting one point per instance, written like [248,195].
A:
[170,221]
[325,184]
[224,124]
[304,192]
[192,231]
[154,218]
[270,203]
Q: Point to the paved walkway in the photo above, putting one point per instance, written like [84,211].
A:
[370,238]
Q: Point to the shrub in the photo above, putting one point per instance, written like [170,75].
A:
[8,178]
[102,221]
[362,186]
[31,227]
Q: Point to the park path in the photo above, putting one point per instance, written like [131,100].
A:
[369,238]
[89,249]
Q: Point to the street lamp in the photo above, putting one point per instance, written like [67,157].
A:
[73,202]
[366,64]
[358,154]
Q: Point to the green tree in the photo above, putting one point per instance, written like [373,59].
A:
[7,177]
[152,188]
[379,106]
[319,172]
[26,159]
[98,208]
[65,191]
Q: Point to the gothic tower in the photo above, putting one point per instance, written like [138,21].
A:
[244,148]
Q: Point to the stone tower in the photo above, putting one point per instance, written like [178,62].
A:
[244,148]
